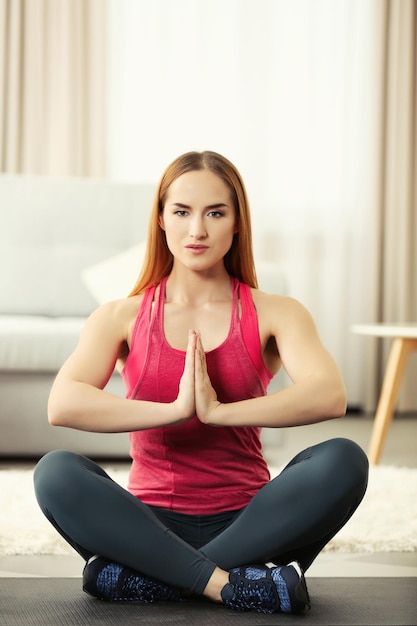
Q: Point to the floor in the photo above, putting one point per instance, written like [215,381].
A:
[400,450]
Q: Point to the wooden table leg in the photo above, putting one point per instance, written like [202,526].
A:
[397,359]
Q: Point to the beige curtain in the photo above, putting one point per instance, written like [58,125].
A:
[395,187]
[52,87]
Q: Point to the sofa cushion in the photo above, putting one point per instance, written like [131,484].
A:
[53,228]
[36,343]
[114,278]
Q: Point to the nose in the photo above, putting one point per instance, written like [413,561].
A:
[197,228]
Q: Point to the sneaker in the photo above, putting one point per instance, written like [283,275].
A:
[110,581]
[267,590]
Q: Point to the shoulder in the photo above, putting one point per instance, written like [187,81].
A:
[270,301]
[116,316]
[279,312]
[119,308]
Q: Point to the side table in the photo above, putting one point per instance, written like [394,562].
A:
[404,342]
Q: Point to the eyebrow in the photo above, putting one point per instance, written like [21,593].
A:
[218,205]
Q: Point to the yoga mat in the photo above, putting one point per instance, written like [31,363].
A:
[353,601]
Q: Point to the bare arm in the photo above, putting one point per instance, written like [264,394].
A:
[77,398]
[317,392]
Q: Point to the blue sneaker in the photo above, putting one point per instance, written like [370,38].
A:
[110,581]
[267,590]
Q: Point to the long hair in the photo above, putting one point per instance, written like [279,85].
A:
[238,260]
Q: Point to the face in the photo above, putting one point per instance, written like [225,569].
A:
[199,220]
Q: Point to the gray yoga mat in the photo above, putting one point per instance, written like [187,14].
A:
[354,601]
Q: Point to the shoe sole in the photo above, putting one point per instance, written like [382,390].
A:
[300,592]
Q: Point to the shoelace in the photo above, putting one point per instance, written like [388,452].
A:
[253,595]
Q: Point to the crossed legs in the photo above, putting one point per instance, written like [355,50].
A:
[291,518]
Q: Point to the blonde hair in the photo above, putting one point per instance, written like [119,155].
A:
[238,261]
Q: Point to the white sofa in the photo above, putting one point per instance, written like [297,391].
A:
[65,246]
[51,231]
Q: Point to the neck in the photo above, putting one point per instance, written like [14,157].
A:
[197,288]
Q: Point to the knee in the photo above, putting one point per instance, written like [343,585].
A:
[53,473]
[350,460]
[53,463]
[350,452]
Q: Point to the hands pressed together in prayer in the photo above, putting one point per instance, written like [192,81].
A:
[196,395]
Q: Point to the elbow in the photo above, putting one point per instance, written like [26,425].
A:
[65,406]
[56,415]
[330,398]
[55,419]
[338,404]
[339,410]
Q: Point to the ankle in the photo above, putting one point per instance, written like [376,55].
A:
[217,581]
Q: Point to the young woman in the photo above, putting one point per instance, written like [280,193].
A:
[197,344]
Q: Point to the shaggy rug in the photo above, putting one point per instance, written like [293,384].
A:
[386,520]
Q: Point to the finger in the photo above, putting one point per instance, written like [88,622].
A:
[200,352]
[190,352]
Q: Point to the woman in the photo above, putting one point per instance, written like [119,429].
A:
[197,344]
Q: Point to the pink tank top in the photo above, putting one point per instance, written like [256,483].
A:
[194,468]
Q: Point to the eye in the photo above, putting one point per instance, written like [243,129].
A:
[180,212]
[215,214]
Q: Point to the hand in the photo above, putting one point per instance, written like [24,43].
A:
[185,402]
[205,396]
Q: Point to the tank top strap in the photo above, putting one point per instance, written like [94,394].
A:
[144,311]
[235,302]
[159,306]
[133,367]
[250,328]
[248,314]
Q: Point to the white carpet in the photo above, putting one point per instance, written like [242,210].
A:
[385,521]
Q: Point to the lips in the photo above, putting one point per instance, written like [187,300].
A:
[197,249]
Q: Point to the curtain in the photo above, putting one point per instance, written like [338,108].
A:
[283,89]
[393,199]
[52,87]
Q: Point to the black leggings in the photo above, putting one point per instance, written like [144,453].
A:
[290,518]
